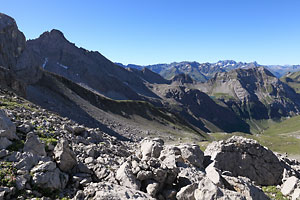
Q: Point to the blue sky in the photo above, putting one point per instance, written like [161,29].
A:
[163,31]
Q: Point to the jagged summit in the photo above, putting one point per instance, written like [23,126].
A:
[6,21]
[182,79]
[54,34]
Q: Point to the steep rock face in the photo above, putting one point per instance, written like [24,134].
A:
[253,93]
[12,42]
[200,110]
[88,68]
[18,66]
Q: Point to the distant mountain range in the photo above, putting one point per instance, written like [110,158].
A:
[202,72]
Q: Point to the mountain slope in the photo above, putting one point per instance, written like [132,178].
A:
[134,118]
[293,80]
[87,68]
[253,93]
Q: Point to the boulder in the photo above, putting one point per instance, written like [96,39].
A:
[189,175]
[25,161]
[170,155]
[207,190]
[187,192]
[214,175]
[289,185]
[3,152]
[246,157]
[245,187]
[126,177]
[192,154]
[4,143]
[151,148]
[21,182]
[25,128]
[2,195]
[296,194]
[144,175]
[152,187]
[34,145]
[108,191]
[7,128]
[47,176]
[64,156]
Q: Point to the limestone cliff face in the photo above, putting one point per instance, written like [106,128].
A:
[253,93]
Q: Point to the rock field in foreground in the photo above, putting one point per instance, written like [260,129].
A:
[43,155]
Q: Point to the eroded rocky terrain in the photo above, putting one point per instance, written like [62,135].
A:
[46,156]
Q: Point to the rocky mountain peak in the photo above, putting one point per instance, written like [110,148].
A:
[6,21]
[54,34]
[182,78]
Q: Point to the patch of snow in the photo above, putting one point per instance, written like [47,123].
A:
[63,66]
[45,63]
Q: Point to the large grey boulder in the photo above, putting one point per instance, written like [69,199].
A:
[7,128]
[34,145]
[192,153]
[126,177]
[64,156]
[107,191]
[151,148]
[46,175]
[246,157]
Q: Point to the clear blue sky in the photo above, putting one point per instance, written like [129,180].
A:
[163,31]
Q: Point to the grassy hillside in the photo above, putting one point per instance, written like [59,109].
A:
[293,80]
[283,137]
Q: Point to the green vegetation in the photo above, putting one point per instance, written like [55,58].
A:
[11,103]
[224,96]
[293,80]
[282,137]
[274,193]
[7,174]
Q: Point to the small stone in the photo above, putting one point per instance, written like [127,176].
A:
[152,187]
[289,185]
[34,145]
